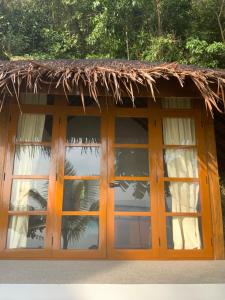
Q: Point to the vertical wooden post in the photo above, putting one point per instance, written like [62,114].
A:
[4,119]
[214,186]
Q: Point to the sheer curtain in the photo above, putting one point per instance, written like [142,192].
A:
[30,129]
[182,163]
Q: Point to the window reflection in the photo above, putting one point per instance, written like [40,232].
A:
[131,162]
[32,160]
[131,196]
[81,195]
[80,232]
[29,194]
[83,129]
[34,128]
[131,130]
[82,161]
[26,232]
[132,232]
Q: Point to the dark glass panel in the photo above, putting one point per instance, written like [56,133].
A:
[131,162]
[132,232]
[29,194]
[32,160]
[80,232]
[132,196]
[131,130]
[82,161]
[34,128]
[83,129]
[75,100]
[180,163]
[184,233]
[127,102]
[176,103]
[81,195]
[26,232]
[37,99]
[182,197]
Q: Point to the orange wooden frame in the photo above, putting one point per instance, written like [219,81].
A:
[106,213]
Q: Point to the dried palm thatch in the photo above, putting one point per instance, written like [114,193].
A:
[114,76]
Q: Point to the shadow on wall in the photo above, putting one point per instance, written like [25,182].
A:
[222,189]
[219,122]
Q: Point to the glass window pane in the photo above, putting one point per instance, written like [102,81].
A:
[34,128]
[179,131]
[132,232]
[75,100]
[181,163]
[132,196]
[83,129]
[184,233]
[81,195]
[26,232]
[36,99]
[82,161]
[128,103]
[131,162]
[131,130]
[29,194]
[182,197]
[80,232]
[177,103]
[32,160]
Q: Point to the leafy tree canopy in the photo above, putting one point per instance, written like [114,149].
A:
[186,31]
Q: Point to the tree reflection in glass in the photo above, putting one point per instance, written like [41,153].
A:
[32,235]
[132,195]
[80,232]
[131,162]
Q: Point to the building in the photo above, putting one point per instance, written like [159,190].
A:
[106,159]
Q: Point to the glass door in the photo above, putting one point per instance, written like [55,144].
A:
[81,179]
[29,185]
[132,209]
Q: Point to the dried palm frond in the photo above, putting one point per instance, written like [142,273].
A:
[114,76]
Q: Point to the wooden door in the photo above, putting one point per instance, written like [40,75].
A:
[132,217]
[80,208]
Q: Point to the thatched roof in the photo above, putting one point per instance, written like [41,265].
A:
[114,76]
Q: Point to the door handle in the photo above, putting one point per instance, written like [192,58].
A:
[113,184]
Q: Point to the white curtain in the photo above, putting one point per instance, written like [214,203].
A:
[182,163]
[30,128]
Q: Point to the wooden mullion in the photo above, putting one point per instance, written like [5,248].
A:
[28,213]
[43,144]
[214,189]
[80,213]
[83,145]
[8,178]
[183,214]
[133,213]
[178,147]
[23,177]
[133,146]
[67,177]
[179,179]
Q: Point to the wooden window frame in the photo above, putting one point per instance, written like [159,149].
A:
[208,179]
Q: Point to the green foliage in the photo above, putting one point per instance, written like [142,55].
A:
[156,30]
[163,48]
[206,54]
